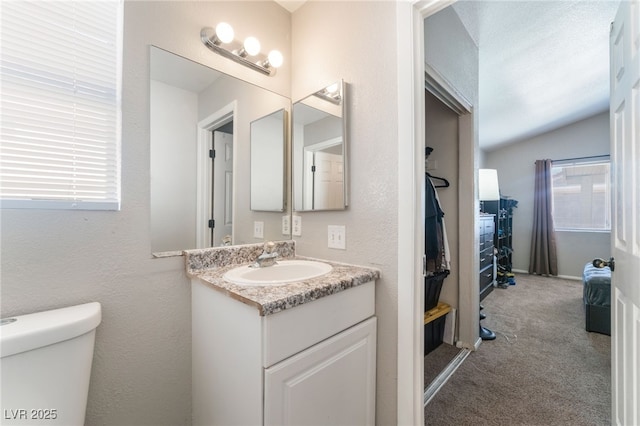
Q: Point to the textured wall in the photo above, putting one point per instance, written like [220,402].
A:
[142,365]
[515,165]
[356,41]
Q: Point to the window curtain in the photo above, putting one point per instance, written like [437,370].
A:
[543,260]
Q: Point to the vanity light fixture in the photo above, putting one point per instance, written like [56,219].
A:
[330,93]
[223,34]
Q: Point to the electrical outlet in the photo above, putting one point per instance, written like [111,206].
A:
[286,225]
[337,237]
[297,226]
[258,229]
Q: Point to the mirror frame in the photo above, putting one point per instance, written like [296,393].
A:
[324,94]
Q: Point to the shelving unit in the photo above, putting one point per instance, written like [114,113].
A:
[503,238]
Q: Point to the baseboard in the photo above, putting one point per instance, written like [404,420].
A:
[566,277]
[570,277]
[473,347]
[444,376]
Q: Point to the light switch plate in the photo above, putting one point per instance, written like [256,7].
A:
[337,237]
[286,225]
[297,226]
[258,229]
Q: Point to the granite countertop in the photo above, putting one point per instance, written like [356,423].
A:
[275,298]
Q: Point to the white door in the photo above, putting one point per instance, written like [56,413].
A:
[625,230]
[328,191]
[222,187]
[331,383]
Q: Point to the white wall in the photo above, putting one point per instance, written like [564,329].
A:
[515,165]
[173,114]
[142,365]
[356,41]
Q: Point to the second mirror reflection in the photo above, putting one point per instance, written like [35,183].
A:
[319,150]
[268,151]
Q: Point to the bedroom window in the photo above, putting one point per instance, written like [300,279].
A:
[582,195]
[61,104]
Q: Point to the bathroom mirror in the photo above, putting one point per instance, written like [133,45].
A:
[200,157]
[268,156]
[319,154]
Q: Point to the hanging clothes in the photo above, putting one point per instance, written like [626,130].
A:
[436,244]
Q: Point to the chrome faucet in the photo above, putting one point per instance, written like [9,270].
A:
[268,256]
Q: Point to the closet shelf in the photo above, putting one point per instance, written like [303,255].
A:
[435,313]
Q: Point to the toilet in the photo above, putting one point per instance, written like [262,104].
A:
[46,365]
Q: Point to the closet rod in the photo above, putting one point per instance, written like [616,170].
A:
[580,158]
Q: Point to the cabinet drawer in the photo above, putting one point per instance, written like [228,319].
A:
[293,330]
[489,227]
[486,277]
[488,240]
[486,257]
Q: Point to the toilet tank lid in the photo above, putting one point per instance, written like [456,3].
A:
[41,329]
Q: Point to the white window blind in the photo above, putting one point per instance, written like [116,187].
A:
[60,83]
[581,195]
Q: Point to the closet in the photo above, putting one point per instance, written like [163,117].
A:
[441,225]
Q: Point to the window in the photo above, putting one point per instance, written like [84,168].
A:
[581,195]
[61,96]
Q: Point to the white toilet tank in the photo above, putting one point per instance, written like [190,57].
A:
[46,365]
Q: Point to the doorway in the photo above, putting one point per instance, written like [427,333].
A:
[221,220]
[215,179]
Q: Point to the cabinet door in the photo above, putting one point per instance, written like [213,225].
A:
[331,383]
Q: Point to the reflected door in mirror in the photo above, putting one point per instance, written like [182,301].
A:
[221,232]
[319,151]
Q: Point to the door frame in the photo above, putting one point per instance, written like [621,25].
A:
[411,131]
[204,171]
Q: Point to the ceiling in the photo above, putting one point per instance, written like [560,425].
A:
[543,64]
[291,5]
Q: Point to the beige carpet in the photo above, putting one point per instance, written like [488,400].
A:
[543,368]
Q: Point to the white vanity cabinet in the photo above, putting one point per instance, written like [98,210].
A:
[310,364]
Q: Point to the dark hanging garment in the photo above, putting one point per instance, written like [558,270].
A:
[437,262]
[434,232]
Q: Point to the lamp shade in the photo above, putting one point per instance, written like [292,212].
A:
[488,188]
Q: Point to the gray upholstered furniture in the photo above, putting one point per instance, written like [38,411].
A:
[597,298]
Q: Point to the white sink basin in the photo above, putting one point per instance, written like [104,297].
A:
[285,271]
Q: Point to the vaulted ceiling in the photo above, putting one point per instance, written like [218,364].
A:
[543,64]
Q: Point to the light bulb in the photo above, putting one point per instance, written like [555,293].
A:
[332,89]
[251,46]
[224,32]
[275,58]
